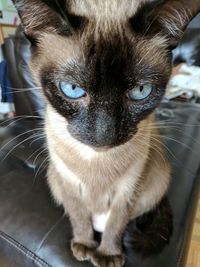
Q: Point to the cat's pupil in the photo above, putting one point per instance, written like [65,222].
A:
[141,88]
[73,86]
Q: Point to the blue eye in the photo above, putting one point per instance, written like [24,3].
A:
[140,92]
[72,91]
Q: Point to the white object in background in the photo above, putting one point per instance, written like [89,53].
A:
[9,18]
[7,5]
[6,107]
[186,80]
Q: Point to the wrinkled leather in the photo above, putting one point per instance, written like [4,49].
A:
[35,232]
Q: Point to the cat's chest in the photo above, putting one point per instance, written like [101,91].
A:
[84,180]
[97,181]
[97,190]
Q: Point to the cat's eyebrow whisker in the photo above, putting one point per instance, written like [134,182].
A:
[151,23]
[61,10]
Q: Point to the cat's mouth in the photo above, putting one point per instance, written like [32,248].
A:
[102,149]
[106,146]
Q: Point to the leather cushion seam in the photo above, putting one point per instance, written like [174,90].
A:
[24,250]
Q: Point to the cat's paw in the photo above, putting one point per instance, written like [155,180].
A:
[81,251]
[100,260]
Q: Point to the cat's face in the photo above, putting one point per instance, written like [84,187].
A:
[103,65]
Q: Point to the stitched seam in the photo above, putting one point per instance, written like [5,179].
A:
[24,250]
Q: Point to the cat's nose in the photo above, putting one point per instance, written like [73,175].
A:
[105,129]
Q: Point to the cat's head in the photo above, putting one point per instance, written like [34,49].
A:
[104,64]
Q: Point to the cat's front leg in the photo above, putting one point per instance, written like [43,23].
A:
[109,253]
[83,236]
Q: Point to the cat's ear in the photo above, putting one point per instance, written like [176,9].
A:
[172,17]
[39,16]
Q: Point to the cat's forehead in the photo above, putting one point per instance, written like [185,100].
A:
[107,40]
[107,9]
[107,16]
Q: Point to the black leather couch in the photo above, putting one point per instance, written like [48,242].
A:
[35,232]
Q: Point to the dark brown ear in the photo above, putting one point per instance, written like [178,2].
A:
[172,17]
[39,16]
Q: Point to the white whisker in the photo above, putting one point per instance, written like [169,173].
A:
[43,150]
[17,145]
[16,137]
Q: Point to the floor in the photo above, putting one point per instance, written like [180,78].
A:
[194,253]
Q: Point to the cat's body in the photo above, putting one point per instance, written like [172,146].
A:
[104,66]
[104,190]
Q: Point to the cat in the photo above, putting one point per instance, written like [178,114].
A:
[104,67]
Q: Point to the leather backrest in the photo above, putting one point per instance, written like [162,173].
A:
[28,98]
[189,48]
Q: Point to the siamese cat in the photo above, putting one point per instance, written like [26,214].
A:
[103,66]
